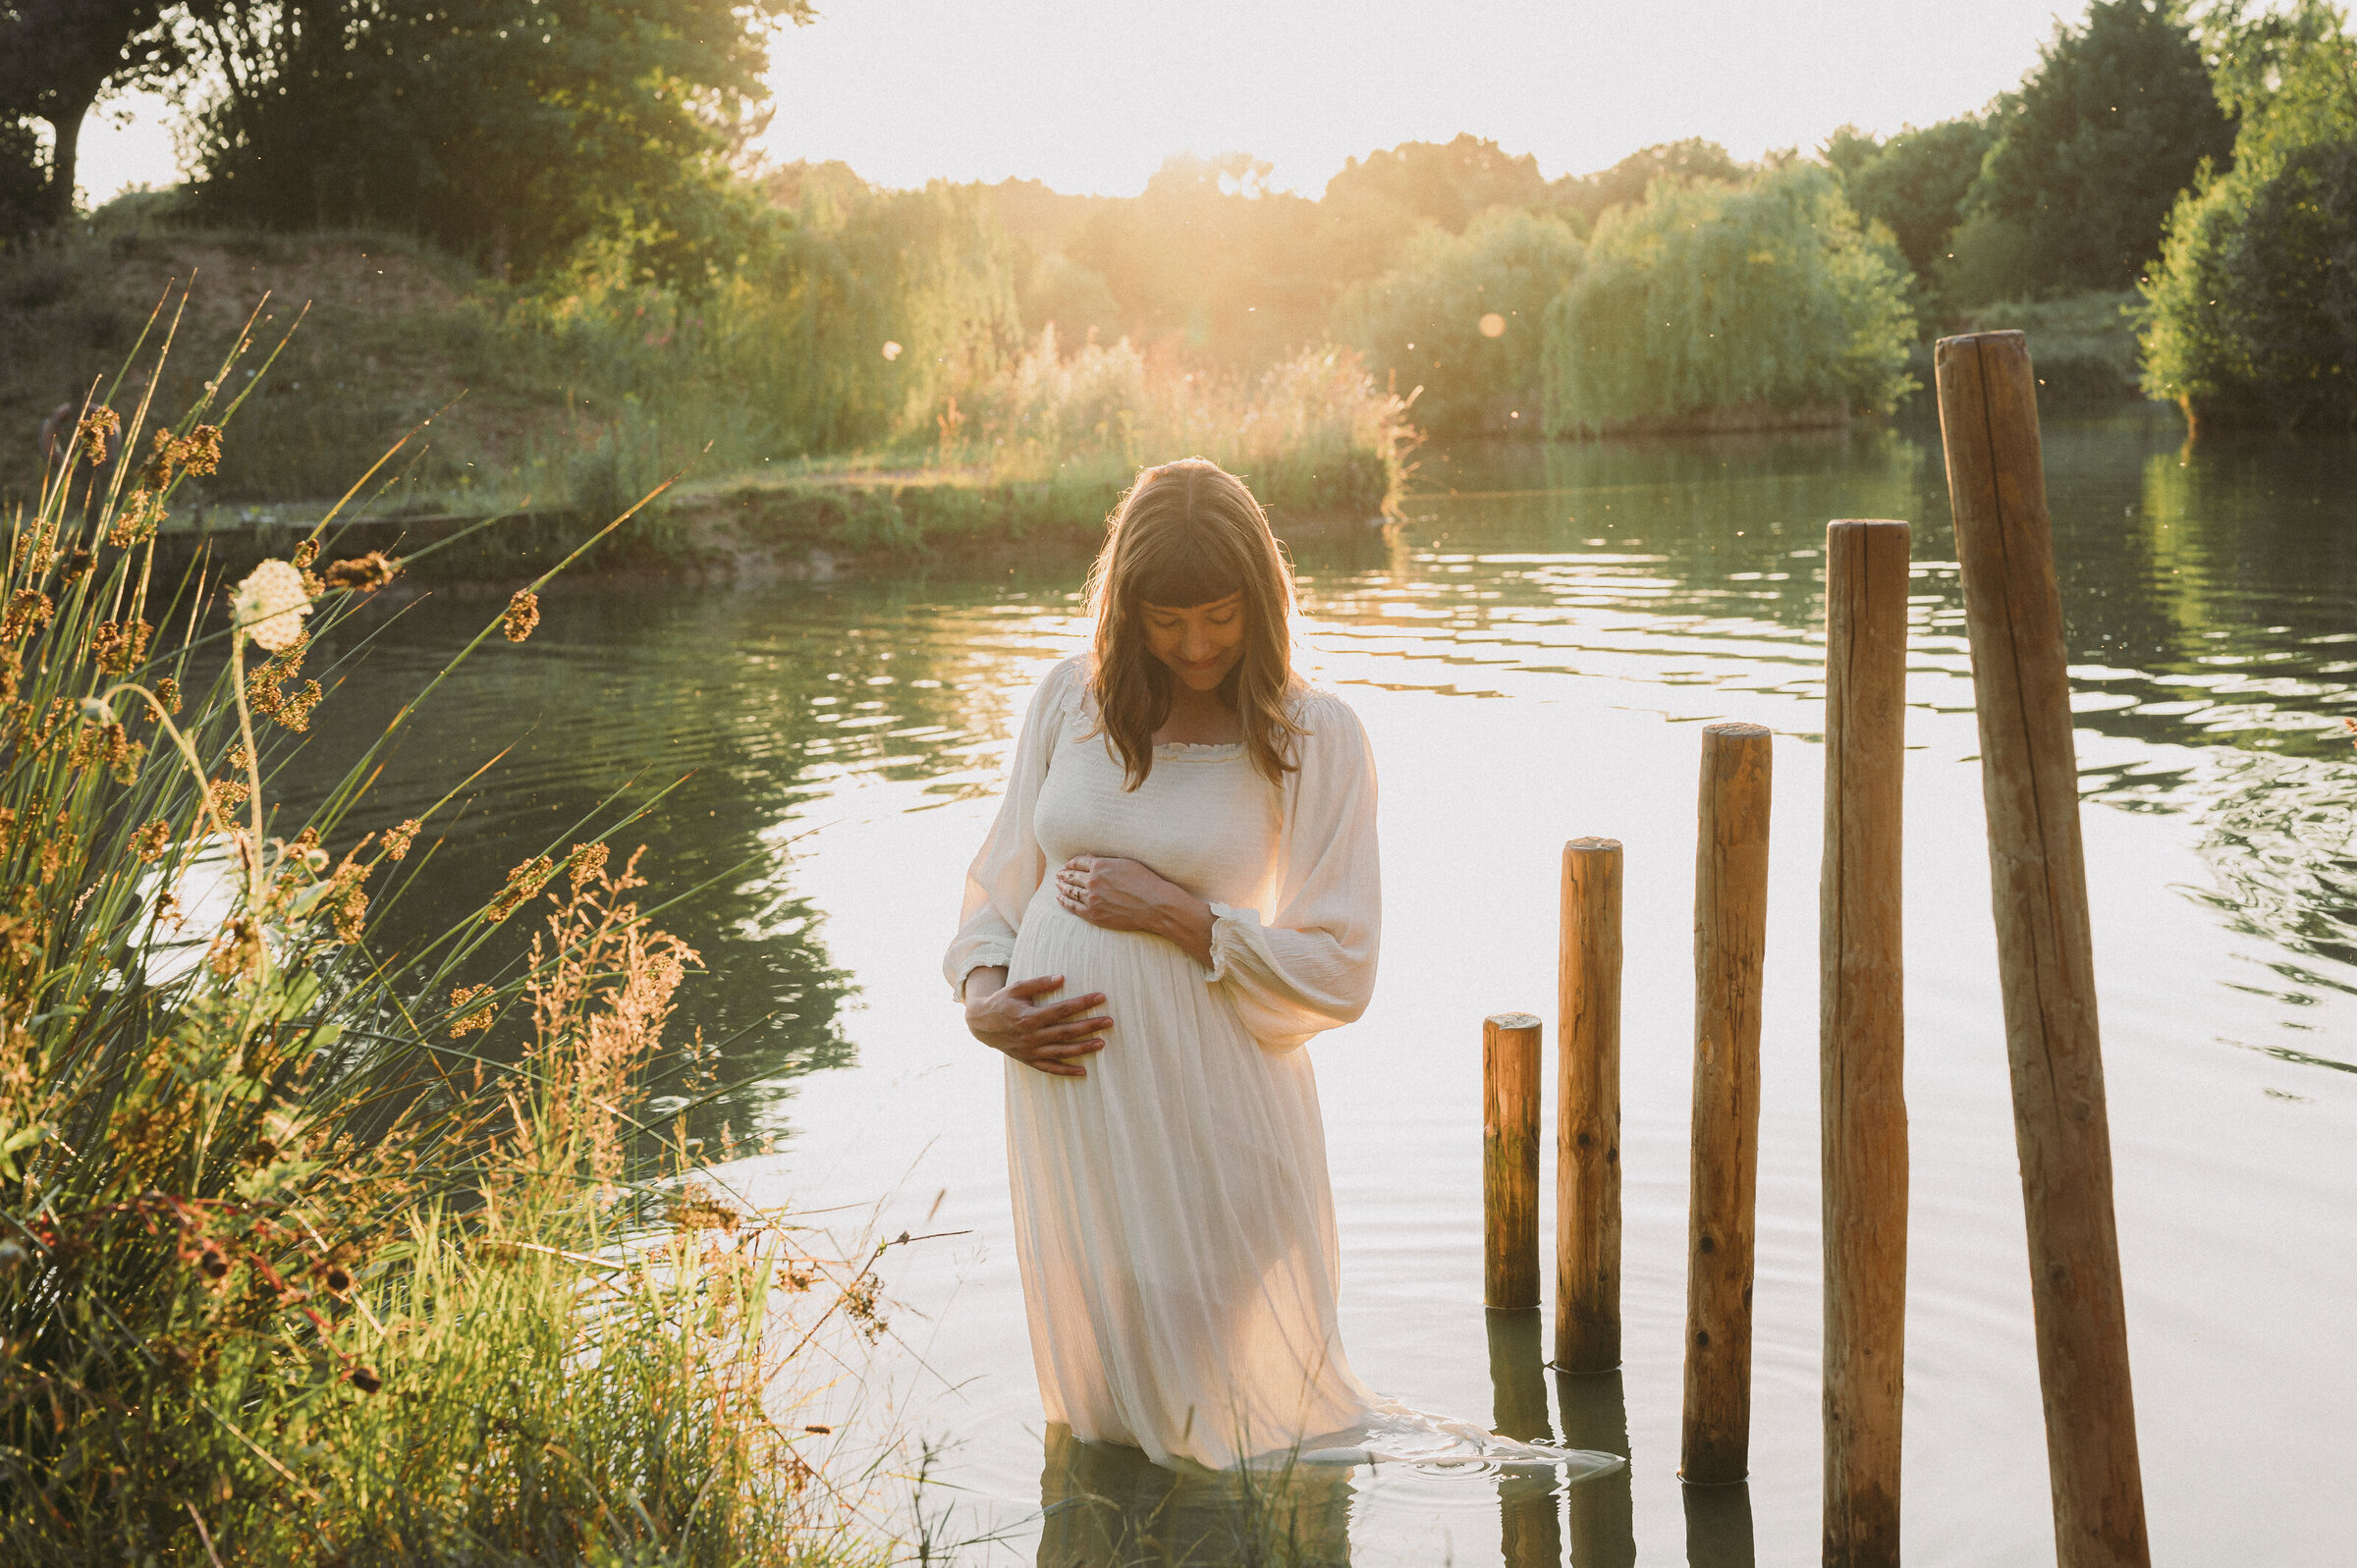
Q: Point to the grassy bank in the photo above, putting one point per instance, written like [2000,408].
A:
[313,1251]
[559,410]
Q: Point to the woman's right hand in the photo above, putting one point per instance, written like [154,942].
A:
[1048,1039]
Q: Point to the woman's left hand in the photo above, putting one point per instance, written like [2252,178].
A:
[1128,896]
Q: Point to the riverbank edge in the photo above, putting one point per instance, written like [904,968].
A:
[792,531]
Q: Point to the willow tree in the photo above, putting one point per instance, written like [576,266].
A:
[1718,304]
[1462,316]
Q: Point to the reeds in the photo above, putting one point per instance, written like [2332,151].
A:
[1312,434]
[310,1251]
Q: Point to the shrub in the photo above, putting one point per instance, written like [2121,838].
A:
[1713,304]
[295,1265]
[1313,435]
[2252,308]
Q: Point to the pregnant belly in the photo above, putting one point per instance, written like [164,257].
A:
[1153,991]
[1053,940]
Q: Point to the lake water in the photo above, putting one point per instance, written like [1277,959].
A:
[1534,654]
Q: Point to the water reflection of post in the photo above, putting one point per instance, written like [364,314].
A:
[1719,1526]
[1595,1415]
[1529,1534]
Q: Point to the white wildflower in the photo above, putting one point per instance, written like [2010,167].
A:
[270,603]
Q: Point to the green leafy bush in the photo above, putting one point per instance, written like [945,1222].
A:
[1721,307]
[2252,308]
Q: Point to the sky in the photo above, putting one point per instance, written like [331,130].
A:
[1091,95]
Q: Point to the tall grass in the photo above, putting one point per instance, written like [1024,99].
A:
[310,1252]
[1312,434]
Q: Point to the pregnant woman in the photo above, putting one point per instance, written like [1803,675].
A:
[1178,892]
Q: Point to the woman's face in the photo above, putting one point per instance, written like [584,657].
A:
[1198,645]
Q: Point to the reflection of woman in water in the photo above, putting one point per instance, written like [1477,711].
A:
[1182,885]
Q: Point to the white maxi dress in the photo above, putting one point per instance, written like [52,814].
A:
[1172,1219]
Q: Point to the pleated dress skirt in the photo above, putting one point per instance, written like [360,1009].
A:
[1173,1216]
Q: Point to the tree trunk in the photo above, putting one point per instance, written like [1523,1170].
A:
[66,125]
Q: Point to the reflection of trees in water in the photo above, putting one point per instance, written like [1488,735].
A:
[2280,837]
[761,701]
[2207,595]
[1721,515]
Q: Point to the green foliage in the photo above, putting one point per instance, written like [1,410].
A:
[2102,135]
[1628,181]
[1711,304]
[611,122]
[1211,258]
[1312,434]
[1915,185]
[1373,206]
[2253,310]
[2084,343]
[1423,323]
[298,1263]
[24,180]
[55,56]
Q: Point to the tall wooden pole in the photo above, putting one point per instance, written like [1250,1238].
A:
[1730,934]
[1862,1095]
[1510,1160]
[2029,779]
[1587,1150]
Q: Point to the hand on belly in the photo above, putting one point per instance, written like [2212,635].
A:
[1129,895]
[1049,1039]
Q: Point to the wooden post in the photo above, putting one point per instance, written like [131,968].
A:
[1730,933]
[1587,1152]
[2045,950]
[1509,1159]
[1862,1094]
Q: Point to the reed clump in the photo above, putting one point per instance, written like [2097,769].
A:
[1314,434]
[312,1250]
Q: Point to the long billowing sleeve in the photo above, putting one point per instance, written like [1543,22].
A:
[1310,964]
[1008,871]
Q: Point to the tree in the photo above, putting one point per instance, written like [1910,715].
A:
[1707,301]
[1628,181]
[1210,257]
[1915,183]
[2106,130]
[57,56]
[510,129]
[2252,311]
[1372,207]
[1462,316]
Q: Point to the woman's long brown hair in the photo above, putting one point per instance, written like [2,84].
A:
[1189,533]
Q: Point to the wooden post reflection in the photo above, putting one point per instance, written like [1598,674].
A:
[1718,1526]
[1529,1534]
[1601,1510]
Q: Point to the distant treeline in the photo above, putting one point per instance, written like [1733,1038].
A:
[2187,177]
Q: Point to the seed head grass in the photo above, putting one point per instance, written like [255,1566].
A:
[311,1250]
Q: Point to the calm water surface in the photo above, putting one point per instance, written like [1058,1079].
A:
[1533,654]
